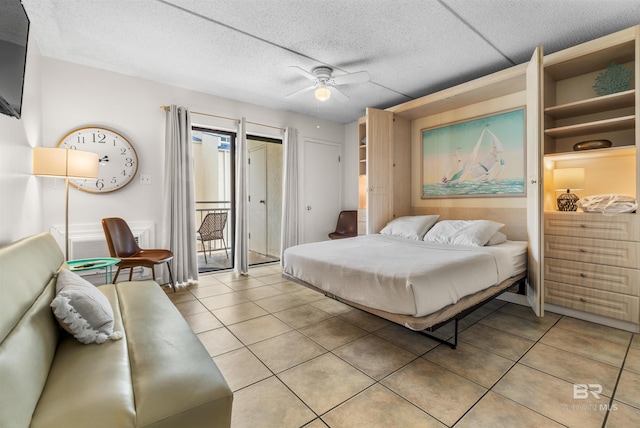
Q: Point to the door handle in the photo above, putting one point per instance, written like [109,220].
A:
[308,207]
[262,201]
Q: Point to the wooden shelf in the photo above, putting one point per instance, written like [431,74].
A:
[590,154]
[607,125]
[592,56]
[592,105]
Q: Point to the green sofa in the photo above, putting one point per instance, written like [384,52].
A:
[157,375]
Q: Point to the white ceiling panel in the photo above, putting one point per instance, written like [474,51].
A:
[517,27]
[241,49]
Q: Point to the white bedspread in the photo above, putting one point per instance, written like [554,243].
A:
[400,275]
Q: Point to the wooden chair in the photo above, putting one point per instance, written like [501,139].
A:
[122,244]
[212,228]
[347,226]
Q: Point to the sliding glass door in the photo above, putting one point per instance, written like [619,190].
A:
[215,188]
[215,198]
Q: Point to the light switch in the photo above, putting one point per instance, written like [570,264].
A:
[145,179]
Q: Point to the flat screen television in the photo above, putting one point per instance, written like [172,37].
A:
[14,34]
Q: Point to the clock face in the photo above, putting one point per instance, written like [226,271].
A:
[117,157]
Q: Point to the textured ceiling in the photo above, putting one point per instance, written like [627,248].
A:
[241,49]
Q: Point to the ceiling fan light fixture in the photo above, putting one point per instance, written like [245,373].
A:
[322,93]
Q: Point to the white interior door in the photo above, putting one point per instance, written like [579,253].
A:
[257,226]
[322,186]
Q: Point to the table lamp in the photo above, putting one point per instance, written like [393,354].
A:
[568,179]
[65,163]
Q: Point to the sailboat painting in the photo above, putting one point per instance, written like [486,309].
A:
[477,158]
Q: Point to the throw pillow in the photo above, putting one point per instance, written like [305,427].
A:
[412,227]
[82,310]
[497,238]
[474,233]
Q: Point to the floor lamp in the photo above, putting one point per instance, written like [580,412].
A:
[65,163]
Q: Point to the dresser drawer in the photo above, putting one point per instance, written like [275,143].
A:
[601,277]
[623,227]
[598,302]
[599,251]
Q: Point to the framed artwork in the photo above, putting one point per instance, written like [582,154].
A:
[483,157]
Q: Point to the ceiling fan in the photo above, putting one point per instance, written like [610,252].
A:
[325,84]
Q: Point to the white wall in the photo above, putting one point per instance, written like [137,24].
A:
[61,96]
[20,192]
[76,96]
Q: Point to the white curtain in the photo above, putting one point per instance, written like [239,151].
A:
[241,247]
[290,200]
[179,216]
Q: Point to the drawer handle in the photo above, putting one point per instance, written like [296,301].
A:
[584,275]
[582,299]
[584,226]
[582,250]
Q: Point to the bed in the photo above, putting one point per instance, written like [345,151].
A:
[420,275]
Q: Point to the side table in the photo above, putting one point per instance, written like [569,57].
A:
[105,263]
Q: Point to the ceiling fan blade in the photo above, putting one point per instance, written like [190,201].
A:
[301,91]
[360,76]
[338,94]
[302,72]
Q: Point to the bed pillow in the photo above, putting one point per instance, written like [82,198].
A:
[474,233]
[82,310]
[412,227]
[497,238]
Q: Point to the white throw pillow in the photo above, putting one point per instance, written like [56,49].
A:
[474,233]
[412,227]
[497,238]
[82,310]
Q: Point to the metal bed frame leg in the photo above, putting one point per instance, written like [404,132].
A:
[446,342]
[459,316]
[455,336]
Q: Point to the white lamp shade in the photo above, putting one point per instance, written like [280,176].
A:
[57,162]
[568,178]
[323,93]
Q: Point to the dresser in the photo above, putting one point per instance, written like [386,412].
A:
[592,263]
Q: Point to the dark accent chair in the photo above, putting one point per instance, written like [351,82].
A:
[347,226]
[122,244]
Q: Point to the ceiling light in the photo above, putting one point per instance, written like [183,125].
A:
[322,93]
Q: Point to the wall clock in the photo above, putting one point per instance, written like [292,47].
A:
[117,157]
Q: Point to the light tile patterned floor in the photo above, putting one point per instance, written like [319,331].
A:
[295,358]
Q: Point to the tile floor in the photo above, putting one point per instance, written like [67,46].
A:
[295,358]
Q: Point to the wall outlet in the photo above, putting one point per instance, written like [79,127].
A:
[145,179]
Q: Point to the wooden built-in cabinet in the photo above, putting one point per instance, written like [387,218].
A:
[574,113]
[362,176]
[591,261]
[586,264]
[384,189]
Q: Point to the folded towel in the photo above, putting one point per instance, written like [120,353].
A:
[609,203]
